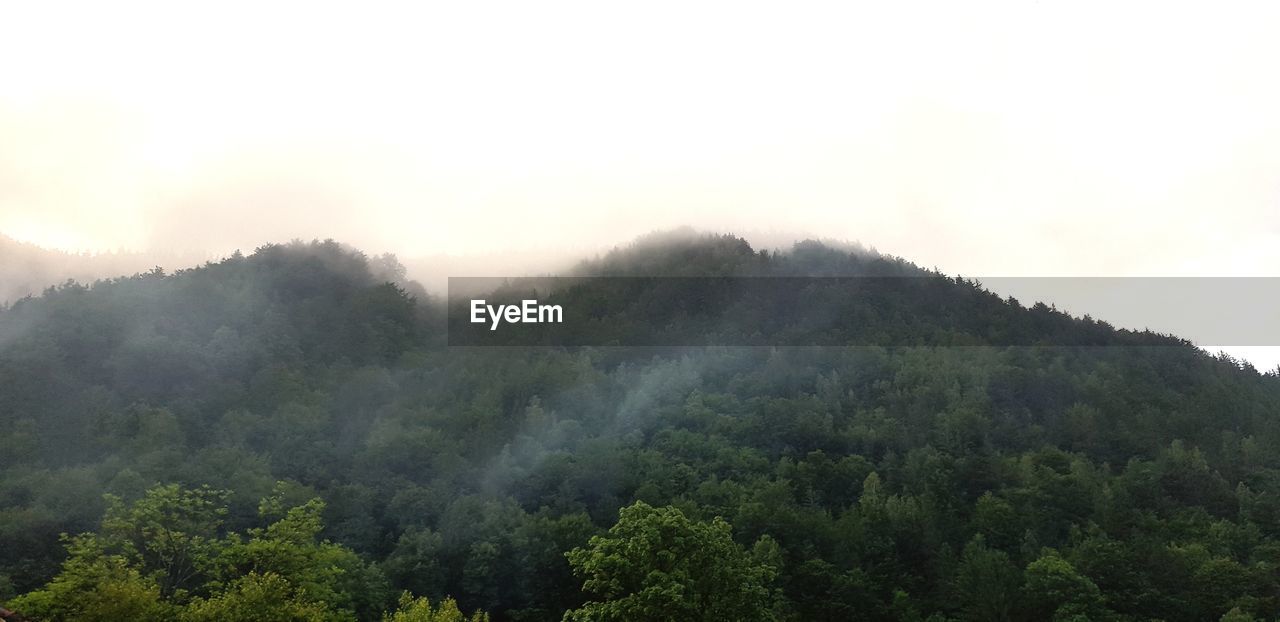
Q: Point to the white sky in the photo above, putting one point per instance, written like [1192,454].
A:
[1019,138]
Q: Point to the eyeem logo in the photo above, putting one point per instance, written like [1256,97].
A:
[528,312]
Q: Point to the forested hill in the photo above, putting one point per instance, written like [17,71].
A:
[350,456]
[684,289]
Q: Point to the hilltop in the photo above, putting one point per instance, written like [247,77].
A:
[1129,477]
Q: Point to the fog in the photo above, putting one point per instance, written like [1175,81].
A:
[1080,139]
[995,139]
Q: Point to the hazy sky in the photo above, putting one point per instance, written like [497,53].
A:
[983,138]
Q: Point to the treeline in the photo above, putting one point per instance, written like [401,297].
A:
[1106,482]
[28,270]
[166,558]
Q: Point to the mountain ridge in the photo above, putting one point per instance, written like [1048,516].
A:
[887,478]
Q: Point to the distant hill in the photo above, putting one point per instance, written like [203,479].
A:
[27,269]
[1133,477]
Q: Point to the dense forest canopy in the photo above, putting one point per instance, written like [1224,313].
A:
[294,420]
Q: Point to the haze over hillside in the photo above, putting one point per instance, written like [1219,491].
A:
[28,269]
[233,388]
[884,483]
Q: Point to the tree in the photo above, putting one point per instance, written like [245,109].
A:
[986,583]
[95,586]
[163,558]
[1058,592]
[412,609]
[171,532]
[1236,615]
[289,550]
[260,598]
[656,564]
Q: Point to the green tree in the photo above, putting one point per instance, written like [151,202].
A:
[290,549]
[1236,615]
[986,583]
[1057,591]
[260,598]
[170,533]
[656,564]
[95,586]
[412,609]
[163,558]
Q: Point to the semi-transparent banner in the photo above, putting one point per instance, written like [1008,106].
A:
[869,310]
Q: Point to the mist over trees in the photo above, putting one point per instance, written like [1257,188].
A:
[27,269]
[286,434]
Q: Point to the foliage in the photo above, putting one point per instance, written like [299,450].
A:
[1136,478]
[258,598]
[171,537]
[656,564]
[93,586]
[412,609]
